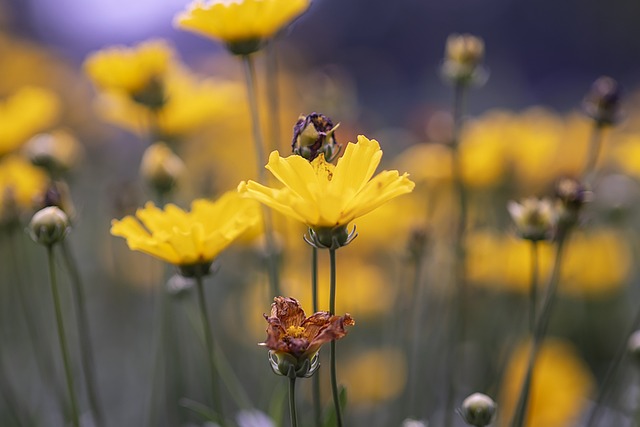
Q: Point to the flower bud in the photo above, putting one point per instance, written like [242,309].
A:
[463,57]
[59,195]
[49,226]
[161,167]
[478,410]
[571,196]
[602,102]
[57,151]
[315,134]
[418,239]
[535,219]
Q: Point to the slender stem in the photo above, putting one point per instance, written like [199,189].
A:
[62,338]
[86,353]
[610,375]
[273,92]
[414,344]
[250,77]
[292,402]
[159,354]
[8,395]
[533,286]
[332,311]
[208,337]
[542,321]
[459,273]
[317,407]
[595,145]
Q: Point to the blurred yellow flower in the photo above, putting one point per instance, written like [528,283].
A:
[187,238]
[239,22]
[57,151]
[129,69]
[559,390]
[597,262]
[28,111]
[374,376]
[190,104]
[322,195]
[20,185]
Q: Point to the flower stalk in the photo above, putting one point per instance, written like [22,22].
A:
[292,401]
[533,286]
[332,311]
[272,263]
[317,407]
[86,353]
[208,338]
[75,418]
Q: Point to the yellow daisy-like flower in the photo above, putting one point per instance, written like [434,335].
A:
[21,184]
[188,238]
[328,197]
[23,114]
[241,24]
[129,69]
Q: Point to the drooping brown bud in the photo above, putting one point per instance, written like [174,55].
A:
[602,102]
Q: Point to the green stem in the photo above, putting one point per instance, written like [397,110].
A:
[414,344]
[533,287]
[273,92]
[332,311]
[62,338]
[250,77]
[542,322]
[292,402]
[317,407]
[595,146]
[208,338]
[459,273]
[158,357]
[86,354]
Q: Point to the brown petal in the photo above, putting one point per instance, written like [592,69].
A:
[275,332]
[314,324]
[333,331]
[288,310]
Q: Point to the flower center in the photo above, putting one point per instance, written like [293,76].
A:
[295,331]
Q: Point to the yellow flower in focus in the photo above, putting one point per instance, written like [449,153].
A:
[374,376]
[241,24]
[324,196]
[130,70]
[188,238]
[559,390]
[23,114]
[20,185]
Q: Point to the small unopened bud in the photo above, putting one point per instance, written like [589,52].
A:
[49,226]
[571,196]
[59,195]
[160,167]
[633,346]
[463,59]
[534,218]
[602,102]
[478,410]
[418,238]
[315,134]
[57,151]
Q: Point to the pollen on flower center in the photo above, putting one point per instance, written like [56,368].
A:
[295,331]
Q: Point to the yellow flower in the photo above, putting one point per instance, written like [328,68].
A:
[188,238]
[241,24]
[559,389]
[20,185]
[129,69]
[324,196]
[23,114]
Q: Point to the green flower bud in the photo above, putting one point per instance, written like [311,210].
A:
[49,226]
[160,167]
[478,410]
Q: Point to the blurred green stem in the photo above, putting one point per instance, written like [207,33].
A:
[292,402]
[86,353]
[332,311]
[533,286]
[414,344]
[540,329]
[62,338]
[459,272]
[273,92]
[595,146]
[272,262]
[317,407]
[208,338]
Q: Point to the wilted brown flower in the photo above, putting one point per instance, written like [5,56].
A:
[315,134]
[294,339]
